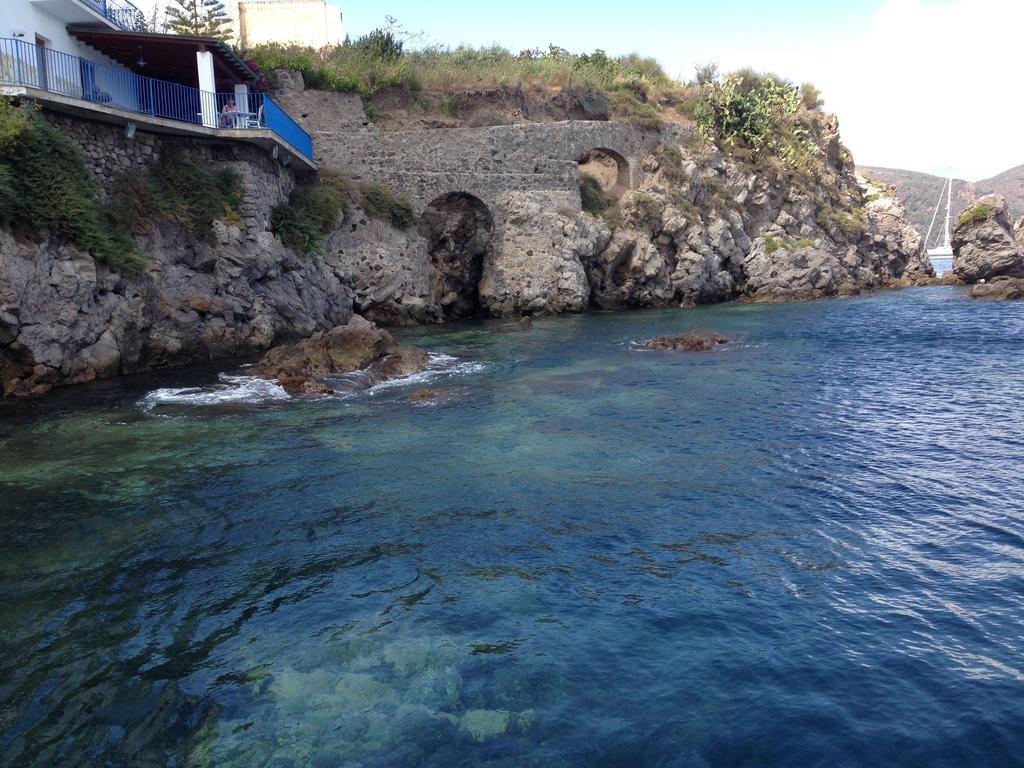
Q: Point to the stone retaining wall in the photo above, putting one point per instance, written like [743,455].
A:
[109,154]
[486,162]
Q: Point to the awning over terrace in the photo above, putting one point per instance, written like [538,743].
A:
[167,57]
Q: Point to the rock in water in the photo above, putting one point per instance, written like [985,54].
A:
[691,341]
[298,386]
[999,289]
[423,394]
[984,245]
[358,345]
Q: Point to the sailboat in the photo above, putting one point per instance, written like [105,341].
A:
[944,251]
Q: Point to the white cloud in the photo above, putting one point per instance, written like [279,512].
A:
[933,86]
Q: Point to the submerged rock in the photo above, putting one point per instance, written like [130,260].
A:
[999,289]
[355,346]
[424,394]
[691,341]
[984,244]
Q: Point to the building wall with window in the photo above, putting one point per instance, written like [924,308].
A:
[315,23]
[26,21]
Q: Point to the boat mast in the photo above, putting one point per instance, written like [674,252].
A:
[949,214]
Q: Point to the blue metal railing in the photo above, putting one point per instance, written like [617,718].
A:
[30,65]
[122,13]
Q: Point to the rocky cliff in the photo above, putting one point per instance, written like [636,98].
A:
[501,231]
[986,245]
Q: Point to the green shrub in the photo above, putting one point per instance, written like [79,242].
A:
[976,213]
[759,114]
[810,97]
[595,200]
[771,244]
[648,210]
[851,224]
[179,190]
[8,196]
[379,202]
[626,106]
[311,213]
[381,44]
[45,187]
[670,163]
[705,73]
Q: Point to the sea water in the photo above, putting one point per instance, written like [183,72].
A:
[804,548]
[942,264]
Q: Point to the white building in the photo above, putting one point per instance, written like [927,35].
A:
[313,23]
[94,58]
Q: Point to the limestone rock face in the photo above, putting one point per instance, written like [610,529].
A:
[357,345]
[66,319]
[703,229]
[986,246]
[388,271]
[538,268]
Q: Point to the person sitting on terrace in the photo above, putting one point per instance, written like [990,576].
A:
[229,115]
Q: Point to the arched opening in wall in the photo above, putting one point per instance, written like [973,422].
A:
[607,166]
[458,229]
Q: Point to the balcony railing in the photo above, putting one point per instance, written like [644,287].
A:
[25,64]
[122,13]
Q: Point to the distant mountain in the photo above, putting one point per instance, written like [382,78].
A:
[919,192]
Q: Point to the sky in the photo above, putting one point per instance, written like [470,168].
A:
[926,85]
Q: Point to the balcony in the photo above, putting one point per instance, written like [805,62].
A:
[117,13]
[108,90]
[124,15]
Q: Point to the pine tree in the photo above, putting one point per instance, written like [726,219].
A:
[198,17]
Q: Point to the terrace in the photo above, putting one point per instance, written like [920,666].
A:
[213,101]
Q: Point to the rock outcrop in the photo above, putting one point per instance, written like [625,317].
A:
[359,345]
[984,243]
[65,319]
[999,289]
[690,341]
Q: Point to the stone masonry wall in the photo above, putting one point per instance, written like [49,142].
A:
[487,162]
[109,154]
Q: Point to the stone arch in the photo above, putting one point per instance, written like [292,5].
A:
[609,167]
[458,228]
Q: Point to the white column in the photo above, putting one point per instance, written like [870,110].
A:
[207,88]
[242,103]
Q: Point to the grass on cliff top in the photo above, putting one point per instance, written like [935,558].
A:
[635,85]
[46,190]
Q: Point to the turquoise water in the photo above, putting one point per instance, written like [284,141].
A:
[805,548]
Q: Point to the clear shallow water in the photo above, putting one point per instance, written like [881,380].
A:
[804,549]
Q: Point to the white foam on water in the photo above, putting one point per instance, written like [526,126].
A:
[440,365]
[253,390]
[231,390]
